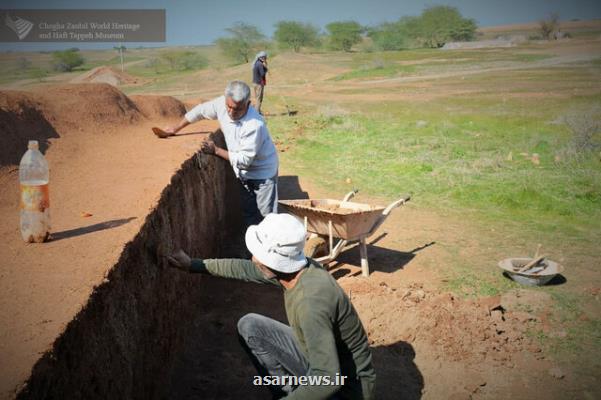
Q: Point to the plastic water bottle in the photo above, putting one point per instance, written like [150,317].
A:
[35,200]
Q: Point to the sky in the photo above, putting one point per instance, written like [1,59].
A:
[200,22]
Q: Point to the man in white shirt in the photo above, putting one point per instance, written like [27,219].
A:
[250,150]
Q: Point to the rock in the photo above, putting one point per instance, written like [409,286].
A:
[556,372]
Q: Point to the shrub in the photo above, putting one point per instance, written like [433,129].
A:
[67,60]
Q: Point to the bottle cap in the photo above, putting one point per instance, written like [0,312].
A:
[33,145]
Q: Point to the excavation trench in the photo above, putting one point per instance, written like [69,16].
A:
[152,332]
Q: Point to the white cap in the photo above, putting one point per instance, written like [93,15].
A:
[278,242]
[33,145]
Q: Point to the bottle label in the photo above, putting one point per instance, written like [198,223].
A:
[35,198]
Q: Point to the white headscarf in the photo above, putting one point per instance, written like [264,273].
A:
[259,55]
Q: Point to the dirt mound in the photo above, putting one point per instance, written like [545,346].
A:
[84,104]
[21,119]
[159,106]
[108,75]
[61,109]
[470,331]
[192,102]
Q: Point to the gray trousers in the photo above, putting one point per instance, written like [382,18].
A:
[273,348]
[259,198]
[259,90]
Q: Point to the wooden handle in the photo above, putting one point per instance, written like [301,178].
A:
[532,263]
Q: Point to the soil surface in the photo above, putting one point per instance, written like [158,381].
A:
[107,170]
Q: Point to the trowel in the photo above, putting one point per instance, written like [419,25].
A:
[161,133]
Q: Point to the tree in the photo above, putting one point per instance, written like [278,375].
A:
[294,35]
[243,42]
[391,35]
[67,60]
[433,28]
[439,24]
[343,35]
[549,26]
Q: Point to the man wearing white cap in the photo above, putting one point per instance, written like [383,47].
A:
[324,352]
[259,67]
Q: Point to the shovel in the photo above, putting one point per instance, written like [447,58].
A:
[161,133]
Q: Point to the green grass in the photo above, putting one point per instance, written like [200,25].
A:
[467,159]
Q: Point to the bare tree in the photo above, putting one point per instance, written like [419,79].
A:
[550,26]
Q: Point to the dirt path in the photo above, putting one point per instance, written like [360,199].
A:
[117,177]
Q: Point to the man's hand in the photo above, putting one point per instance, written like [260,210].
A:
[208,147]
[180,260]
[171,130]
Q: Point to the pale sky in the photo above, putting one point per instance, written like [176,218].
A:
[196,22]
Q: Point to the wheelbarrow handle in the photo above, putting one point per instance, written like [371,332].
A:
[395,204]
[386,212]
[350,195]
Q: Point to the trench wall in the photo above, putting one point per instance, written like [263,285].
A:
[126,340]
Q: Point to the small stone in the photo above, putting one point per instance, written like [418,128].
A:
[556,372]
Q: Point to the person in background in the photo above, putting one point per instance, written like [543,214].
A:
[250,150]
[259,68]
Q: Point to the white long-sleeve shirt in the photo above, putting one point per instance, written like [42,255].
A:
[251,150]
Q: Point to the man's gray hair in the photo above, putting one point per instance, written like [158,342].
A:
[238,91]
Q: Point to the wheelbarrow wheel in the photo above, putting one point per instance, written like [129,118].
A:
[316,247]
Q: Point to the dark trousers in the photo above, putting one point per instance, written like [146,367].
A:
[259,198]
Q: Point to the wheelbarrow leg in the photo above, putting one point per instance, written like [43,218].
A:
[363,252]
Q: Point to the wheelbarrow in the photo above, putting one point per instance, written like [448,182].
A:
[341,221]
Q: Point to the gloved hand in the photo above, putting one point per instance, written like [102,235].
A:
[180,260]
[208,147]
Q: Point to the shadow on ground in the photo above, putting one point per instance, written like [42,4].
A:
[113,223]
[380,258]
[289,188]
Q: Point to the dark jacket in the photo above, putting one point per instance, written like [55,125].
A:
[259,73]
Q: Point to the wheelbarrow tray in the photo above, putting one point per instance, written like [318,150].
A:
[349,220]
